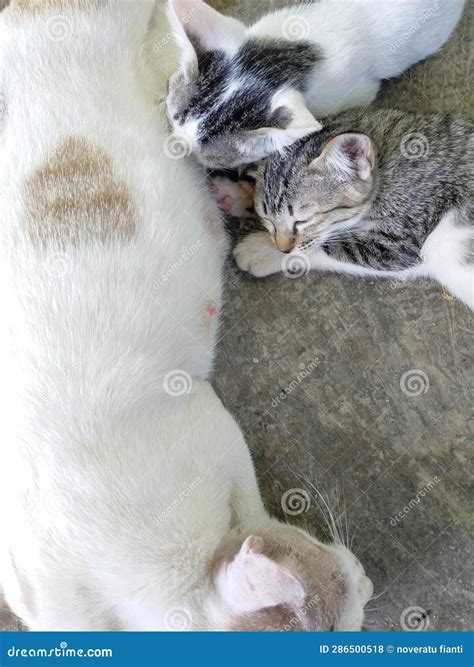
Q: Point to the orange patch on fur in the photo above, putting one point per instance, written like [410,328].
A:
[41,5]
[74,196]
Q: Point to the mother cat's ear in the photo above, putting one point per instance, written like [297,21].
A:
[253,581]
[198,28]
[350,155]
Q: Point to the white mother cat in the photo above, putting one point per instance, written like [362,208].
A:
[128,496]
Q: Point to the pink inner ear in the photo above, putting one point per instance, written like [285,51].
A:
[358,149]
[253,581]
[208,27]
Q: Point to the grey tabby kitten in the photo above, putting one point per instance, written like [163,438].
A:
[382,193]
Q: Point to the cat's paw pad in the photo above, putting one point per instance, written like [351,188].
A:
[233,198]
[257,255]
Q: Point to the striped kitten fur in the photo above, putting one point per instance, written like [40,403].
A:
[382,193]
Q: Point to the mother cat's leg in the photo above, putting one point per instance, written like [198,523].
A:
[448,254]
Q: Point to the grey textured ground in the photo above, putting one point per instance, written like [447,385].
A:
[348,427]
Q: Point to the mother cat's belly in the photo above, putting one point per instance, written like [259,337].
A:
[113,254]
[110,247]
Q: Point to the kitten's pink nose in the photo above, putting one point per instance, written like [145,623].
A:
[285,242]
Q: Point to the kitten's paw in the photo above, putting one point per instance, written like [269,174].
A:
[257,255]
[234,199]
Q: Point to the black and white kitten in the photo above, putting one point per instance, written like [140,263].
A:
[382,193]
[241,93]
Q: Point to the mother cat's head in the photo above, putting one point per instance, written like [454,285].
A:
[285,580]
[235,98]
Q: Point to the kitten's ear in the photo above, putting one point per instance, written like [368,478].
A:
[198,27]
[351,155]
[253,581]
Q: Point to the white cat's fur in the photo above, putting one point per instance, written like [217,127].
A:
[362,42]
[123,506]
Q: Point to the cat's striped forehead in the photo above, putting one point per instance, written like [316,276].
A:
[280,175]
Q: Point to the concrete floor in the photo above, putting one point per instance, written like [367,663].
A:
[354,424]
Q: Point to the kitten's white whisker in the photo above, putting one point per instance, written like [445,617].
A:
[353,536]
[379,595]
[331,524]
